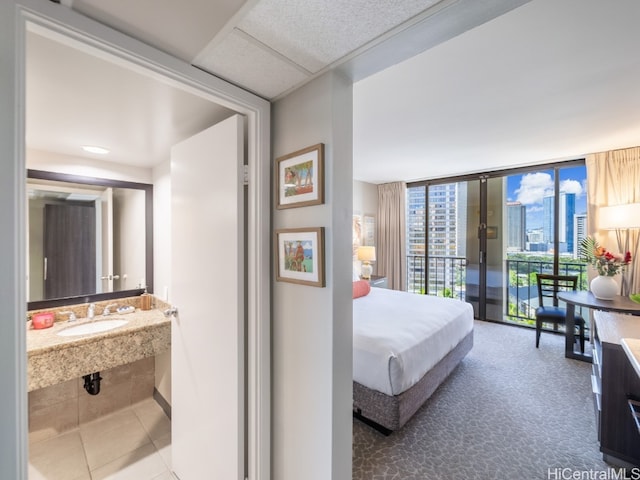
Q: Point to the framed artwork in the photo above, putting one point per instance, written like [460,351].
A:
[369,231]
[300,256]
[356,232]
[300,178]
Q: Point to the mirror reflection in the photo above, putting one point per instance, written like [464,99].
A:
[85,239]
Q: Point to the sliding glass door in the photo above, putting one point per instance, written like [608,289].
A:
[452,250]
[546,222]
[484,238]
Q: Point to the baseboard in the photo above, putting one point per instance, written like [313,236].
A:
[157,396]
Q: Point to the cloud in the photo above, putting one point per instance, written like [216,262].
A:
[307,246]
[533,188]
[571,186]
[534,209]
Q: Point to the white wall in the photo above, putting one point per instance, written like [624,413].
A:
[365,198]
[312,327]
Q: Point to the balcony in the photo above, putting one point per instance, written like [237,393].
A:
[522,288]
[446,276]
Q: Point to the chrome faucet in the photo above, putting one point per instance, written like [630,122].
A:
[72,315]
[91,311]
[107,309]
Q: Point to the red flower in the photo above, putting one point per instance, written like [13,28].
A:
[606,262]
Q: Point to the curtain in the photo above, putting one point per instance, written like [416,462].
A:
[613,178]
[391,233]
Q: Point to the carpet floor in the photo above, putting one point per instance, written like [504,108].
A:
[508,411]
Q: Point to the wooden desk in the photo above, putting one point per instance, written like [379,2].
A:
[586,299]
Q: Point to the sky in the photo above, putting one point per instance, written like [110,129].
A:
[530,188]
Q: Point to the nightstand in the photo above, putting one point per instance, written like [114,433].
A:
[378,281]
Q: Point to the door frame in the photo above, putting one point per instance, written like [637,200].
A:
[60,20]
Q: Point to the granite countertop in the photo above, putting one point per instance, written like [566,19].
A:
[47,340]
[631,347]
[53,359]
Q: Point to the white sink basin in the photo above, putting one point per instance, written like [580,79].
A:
[89,328]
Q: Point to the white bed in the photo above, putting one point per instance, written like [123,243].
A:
[398,339]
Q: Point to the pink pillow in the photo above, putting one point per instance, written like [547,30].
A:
[361,288]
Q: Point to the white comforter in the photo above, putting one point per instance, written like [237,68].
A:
[399,336]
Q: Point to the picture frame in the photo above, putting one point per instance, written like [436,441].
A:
[356,233]
[369,231]
[300,178]
[300,256]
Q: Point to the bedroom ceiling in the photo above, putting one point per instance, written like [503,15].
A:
[547,81]
[442,86]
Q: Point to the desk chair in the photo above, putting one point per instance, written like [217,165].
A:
[548,310]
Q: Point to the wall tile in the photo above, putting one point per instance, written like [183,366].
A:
[45,397]
[58,408]
[53,420]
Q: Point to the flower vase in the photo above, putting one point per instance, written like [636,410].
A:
[604,287]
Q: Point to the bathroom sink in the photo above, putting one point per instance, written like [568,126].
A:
[89,328]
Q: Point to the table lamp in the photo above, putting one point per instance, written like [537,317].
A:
[622,218]
[366,255]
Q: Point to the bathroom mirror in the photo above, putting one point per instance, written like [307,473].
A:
[89,239]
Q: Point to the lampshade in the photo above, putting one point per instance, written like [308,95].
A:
[367,254]
[619,216]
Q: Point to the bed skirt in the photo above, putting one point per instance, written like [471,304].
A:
[392,412]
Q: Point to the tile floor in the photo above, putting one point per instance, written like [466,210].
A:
[131,444]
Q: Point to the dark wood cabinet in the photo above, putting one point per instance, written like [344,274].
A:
[615,382]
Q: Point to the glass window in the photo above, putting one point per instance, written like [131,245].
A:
[522,213]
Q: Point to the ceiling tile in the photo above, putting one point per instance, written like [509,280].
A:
[316,33]
[242,61]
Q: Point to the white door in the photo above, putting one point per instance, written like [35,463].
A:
[207,340]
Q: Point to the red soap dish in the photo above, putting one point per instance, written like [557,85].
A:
[42,320]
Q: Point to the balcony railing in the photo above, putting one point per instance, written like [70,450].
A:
[522,287]
[446,277]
